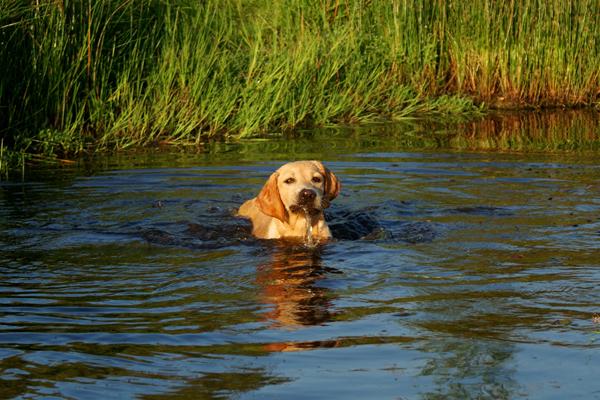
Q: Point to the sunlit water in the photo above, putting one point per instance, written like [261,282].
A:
[453,275]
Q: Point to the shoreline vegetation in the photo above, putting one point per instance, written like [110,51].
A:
[84,76]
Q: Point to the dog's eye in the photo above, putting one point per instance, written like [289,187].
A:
[289,181]
[316,179]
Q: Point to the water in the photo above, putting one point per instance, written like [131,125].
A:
[455,274]
[308,237]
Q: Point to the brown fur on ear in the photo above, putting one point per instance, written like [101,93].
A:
[332,184]
[269,201]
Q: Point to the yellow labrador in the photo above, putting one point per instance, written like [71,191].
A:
[296,192]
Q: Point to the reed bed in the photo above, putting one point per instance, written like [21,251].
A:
[79,76]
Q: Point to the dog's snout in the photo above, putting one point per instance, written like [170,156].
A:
[307,195]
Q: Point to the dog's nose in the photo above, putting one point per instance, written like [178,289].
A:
[307,195]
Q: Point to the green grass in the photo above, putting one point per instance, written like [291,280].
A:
[80,76]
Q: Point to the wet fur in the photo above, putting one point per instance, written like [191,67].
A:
[276,212]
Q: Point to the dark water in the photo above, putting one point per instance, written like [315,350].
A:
[455,274]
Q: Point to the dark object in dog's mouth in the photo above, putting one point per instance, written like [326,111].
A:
[296,208]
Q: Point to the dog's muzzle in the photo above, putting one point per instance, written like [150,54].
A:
[306,202]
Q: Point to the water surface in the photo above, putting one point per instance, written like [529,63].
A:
[456,273]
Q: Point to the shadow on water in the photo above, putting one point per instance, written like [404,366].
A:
[223,229]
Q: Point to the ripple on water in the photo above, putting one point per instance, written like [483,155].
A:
[450,276]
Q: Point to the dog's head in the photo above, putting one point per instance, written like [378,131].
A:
[298,187]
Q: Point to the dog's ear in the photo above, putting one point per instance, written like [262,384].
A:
[332,183]
[269,200]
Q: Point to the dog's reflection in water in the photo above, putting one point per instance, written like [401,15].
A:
[290,285]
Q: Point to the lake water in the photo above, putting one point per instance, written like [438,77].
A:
[457,272]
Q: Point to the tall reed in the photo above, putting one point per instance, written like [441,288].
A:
[81,74]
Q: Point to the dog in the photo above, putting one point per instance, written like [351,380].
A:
[294,195]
